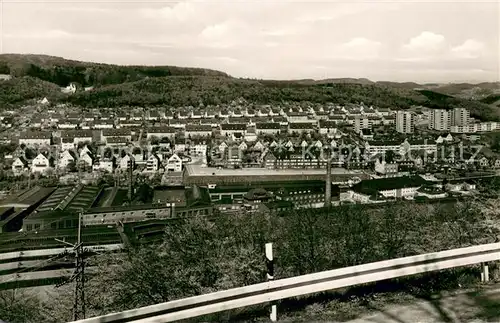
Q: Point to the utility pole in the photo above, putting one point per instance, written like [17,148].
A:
[78,275]
[270,276]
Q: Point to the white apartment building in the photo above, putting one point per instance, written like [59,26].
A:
[440,120]
[461,117]
[443,120]
[405,122]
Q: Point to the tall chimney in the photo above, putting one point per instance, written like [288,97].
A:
[130,174]
[328,188]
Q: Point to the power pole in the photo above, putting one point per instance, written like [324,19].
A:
[78,275]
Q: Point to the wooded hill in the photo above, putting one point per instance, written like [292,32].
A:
[38,76]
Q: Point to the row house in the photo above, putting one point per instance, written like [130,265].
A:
[269,128]
[179,123]
[35,138]
[112,133]
[162,132]
[127,123]
[327,127]
[198,130]
[77,136]
[337,119]
[102,124]
[214,123]
[301,127]
[68,124]
[297,116]
[117,141]
[67,143]
[228,129]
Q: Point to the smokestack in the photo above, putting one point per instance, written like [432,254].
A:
[130,174]
[328,188]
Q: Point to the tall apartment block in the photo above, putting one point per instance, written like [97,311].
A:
[405,122]
[460,116]
[442,120]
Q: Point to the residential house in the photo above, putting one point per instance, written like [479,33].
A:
[300,127]
[327,127]
[36,138]
[66,158]
[67,143]
[197,148]
[86,160]
[251,135]
[174,163]
[102,124]
[19,165]
[193,130]
[108,133]
[228,129]
[161,132]
[153,163]
[40,164]
[68,124]
[384,168]
[117,141]
[78,136]
[105,165]
[126,162]
[267,128]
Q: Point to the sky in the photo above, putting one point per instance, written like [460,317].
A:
[422,41]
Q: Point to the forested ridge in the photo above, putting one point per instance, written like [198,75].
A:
[38,76]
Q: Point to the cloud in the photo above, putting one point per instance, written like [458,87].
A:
[272,39]
[426,42]
[50,34]
[358,48]
[180,12]
[469,49]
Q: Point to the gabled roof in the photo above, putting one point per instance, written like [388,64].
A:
[268,125]
[162,130]
[234,126]
[36,135]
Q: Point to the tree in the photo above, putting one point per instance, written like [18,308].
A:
[108,153]
[19,307]
[155,140]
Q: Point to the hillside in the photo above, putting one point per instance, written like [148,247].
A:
[19,90]
[467,90]
[477,109]
[493,99]
[176,91]
[38,76]
[61,71]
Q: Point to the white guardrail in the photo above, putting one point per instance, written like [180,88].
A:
[30,269]
[303,285]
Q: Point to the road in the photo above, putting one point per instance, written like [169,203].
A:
[467,306]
